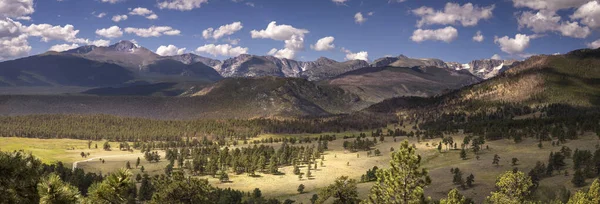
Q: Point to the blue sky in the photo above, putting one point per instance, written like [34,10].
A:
[387,31]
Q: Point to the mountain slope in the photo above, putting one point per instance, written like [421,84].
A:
[486,68]
[404,61]
[53,69]
[570,79]
[274,96]
[379,83]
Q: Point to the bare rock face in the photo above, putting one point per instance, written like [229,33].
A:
[259,66]
[485,69]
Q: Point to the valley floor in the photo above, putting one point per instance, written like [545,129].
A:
[338,162]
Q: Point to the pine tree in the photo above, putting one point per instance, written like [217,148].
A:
[454,197]
[137,163]
[146,189]
[463,154]
[513,187]
[344,190]
[301,188]
[578,178]
[496,160]
[53,190]
[403,182]
[127,165]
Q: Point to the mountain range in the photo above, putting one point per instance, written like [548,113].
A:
[127,79]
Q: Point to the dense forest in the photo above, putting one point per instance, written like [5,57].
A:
[97,127]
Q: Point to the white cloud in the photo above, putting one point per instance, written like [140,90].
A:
[362,55]
[50,32]
[550,5]
[359,18]
[396,1]
[278,32]
[293,38]
[169,50]
[139,11]
[496,57]
[222,50]
[182,5]
[447,34]
[16,8]
[112,1]
[10,28]
[222,31]
[153,31]
[118,18]
[63,47]
[513,45]
[453,13]
[101,15]
[478,37]
[100,43]
[232,41]
[324,44]
[339,1]
[11,47]
[549,21]
[589,14]
[594,45]
[112,32]
[283,53]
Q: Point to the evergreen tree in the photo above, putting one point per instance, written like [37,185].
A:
[404,181]
[496,160]
[591,197]
[463,154]
[314,198]
[146,188]
[344,191]
[118,187]
[454,197]
[137,163]
[301,188]
[127,165]
[513,187]
[578,178]
[53,190]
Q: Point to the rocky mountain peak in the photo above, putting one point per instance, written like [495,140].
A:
[124,46]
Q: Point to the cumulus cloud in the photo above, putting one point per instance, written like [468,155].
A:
[99,43]
[222,50]
[50,32]
[447,34]
[513,45]
[14,37]
[589,14]
[222,31]
[112,32]
[362,55]
[278,32]
[324,44]
[293,38]
[496,57]
[453,13]
[16,8]
[140,11]
[550,5]
[182,5]
[11,47]
[153,31]
[63,47]
[359,18]
[478,37]
[117,18]
[549,21]
[594,45]
[169,50]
